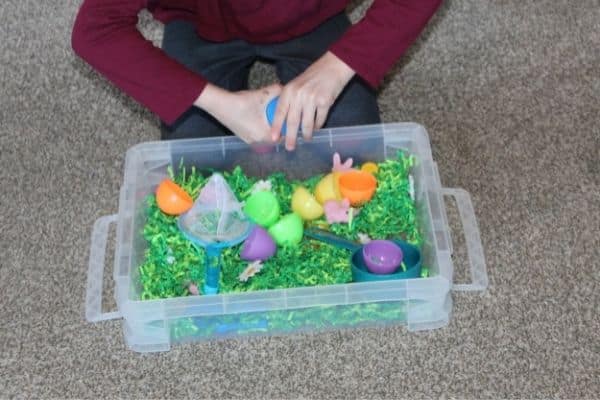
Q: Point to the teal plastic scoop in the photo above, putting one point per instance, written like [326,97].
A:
[409,268]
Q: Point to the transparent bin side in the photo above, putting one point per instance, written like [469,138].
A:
[164,321]
[309,309]
[160,335]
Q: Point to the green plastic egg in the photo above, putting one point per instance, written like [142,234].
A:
[288,231]
[262,208]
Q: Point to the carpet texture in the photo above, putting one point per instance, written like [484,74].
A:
[509,92]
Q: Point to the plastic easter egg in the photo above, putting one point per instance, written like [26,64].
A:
[270,113]
[262,208]
[327,188]
[382,256]
[369,167]
[288,230]
[411,257]
[305,204]
[357,186]
[258,246]
[172,199]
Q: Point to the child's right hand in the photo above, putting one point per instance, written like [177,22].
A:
[241,112]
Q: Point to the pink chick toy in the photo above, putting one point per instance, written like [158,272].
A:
[338,211]
[338,166]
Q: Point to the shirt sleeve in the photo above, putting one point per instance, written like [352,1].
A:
[375,43]
[105,35]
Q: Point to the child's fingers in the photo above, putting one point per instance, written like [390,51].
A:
[321,117]
[293,123]
[308,121]
[279,118]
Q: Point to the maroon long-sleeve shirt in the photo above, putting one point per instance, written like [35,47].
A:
[106,36]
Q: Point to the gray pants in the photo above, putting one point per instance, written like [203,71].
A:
[228,64]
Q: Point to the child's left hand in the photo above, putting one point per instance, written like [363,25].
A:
[306,100]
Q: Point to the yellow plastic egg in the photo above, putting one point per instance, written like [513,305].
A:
[370,167]
[327,188]
[305,204]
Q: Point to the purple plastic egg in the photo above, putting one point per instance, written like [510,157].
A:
[382,256]
[258,246]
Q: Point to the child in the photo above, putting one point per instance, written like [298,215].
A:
[197,82]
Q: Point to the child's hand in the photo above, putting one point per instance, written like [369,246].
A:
[241,112]
[305,101]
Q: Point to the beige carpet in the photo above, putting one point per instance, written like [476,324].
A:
[509,92]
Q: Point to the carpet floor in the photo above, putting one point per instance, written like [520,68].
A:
[509,92]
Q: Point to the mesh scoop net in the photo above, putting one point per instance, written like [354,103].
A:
[216,217]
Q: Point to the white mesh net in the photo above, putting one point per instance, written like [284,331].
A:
[216,216]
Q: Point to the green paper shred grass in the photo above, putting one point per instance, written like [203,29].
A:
[283,321]
[171,261]
[391,213]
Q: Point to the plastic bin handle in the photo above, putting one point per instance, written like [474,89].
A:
[93,294]
[479,275]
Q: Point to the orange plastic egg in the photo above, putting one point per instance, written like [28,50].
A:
[357,186]
[172,199]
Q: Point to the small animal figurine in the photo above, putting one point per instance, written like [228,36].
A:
[193,289]
[264,185]
[252,269]
[363,238]
[338,211]
[338,166]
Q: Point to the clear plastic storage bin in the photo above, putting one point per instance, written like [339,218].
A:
[155,325]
